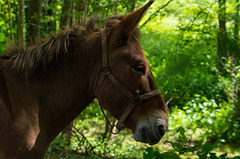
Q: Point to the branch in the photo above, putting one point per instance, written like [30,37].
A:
[155,13]
[76,131]
[191,23]
[168,102]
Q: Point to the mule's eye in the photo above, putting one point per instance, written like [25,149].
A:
[139,68]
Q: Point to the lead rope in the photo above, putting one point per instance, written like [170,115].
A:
[112,126]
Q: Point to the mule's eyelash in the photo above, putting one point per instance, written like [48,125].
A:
[139,68]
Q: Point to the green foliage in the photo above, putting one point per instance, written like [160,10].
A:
[150,153]
[181,45]
[206,117]
[204,150]
[88,141]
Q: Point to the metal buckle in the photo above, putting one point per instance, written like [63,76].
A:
[136,99]
[117,131]
[105,70]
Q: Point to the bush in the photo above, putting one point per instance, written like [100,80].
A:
[207,119]
[201,150]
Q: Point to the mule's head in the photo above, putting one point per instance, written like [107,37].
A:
[149,119]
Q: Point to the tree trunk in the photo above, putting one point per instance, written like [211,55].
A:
[236,28]
[79,9]
[71,18]
[132,6]
[50,9]
[85,8]
[5,20]
[109,4]
[34,20]
[222,49]
[21,30]
[10,20]
[116,8]
[66,13]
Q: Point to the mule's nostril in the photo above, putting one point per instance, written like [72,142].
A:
[161,130]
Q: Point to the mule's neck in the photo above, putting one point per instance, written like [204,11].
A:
[65,88]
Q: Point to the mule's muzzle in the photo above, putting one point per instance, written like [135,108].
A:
[151,133]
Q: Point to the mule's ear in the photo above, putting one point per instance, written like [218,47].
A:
[127,25]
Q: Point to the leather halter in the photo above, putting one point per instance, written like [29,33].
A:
[134,99]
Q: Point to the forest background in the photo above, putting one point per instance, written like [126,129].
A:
[193,50]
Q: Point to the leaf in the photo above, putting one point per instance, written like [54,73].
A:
[176,146]
[223,156]
[169,155]
[213,156]
[207,147]
[182,136]
[149,153]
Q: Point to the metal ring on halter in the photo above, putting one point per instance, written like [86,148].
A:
[122,127]
[105,70]
[115,133]
[136,99]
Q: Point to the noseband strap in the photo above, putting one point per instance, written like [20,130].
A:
[134,99]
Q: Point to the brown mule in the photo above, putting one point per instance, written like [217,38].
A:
[45,86]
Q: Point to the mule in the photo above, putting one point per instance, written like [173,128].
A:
[45,86]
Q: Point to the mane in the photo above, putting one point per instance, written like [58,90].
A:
[26,59]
